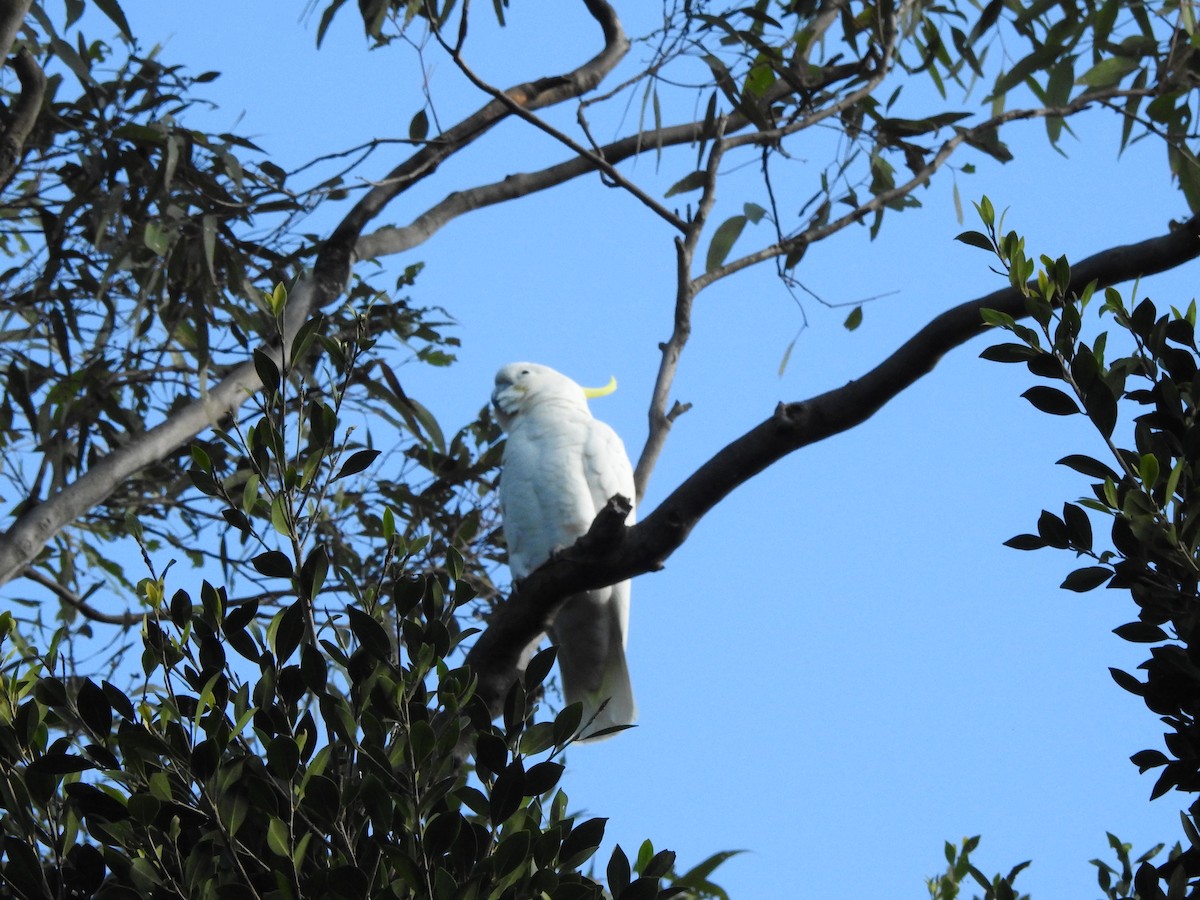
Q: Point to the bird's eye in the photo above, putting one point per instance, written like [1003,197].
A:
[524,371]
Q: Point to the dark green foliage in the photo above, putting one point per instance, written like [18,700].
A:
[1149,491]
[345,775]
[306,749]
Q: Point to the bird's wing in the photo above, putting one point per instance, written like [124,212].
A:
[544,490]
[606,467]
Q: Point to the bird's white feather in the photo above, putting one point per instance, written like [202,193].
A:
[560,467]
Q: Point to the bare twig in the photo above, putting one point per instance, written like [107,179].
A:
[24,113]
[77,602]
[685,292]
[597,160]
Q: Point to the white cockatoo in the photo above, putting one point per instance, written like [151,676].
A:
[560,468]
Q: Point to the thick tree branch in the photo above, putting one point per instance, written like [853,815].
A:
[12,16]
[646,546]
[23,115]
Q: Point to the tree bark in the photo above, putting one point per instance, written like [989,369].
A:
[12,16]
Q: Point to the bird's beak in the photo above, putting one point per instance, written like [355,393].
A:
[506,395]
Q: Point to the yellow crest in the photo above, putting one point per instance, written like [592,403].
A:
[592,393]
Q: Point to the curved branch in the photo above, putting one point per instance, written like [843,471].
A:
[24,113]
[594,562]
[12,16]
[80,603]
[339,250]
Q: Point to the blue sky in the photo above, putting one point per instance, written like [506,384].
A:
[843,667]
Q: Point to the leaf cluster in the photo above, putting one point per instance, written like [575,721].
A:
[1149,491]
[949,885]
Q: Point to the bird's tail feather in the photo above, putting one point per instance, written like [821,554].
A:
[589,631]
[612,705]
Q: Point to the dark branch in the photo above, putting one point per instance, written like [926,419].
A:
[24,113]
[646,546]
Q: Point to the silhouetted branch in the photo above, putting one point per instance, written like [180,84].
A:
[647,545]
[80,603]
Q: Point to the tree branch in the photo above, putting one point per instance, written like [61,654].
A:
[815,233]
[24,113]
[646,546]
[392,240]
[12,16]
[340,249]
[685,293]
[80,603]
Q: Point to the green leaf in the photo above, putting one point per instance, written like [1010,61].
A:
[250,493]
[723,240]
[277,837]
[996,318]
[977,239]
[279,517]
[201,458]
[314,571]
[357,462]
[1109,71]
[59,764]
[1051,400]
[1010,353]
[268,371]
[854,319]
[582,842]
[370,634]
[507,792]
[273,564]
[693,181]
[1148,469]
[156,239]
[112,9]
[418,128]
[697,877]
[787,355]
[1087,578]
[1085,465]
[618,871]
[1025,542]
[285,631]
[1140,632]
